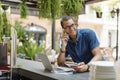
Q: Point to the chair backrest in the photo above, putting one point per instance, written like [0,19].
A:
[107,53]
[3,56]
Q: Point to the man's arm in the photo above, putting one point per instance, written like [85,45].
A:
[61,58]
[97,54]
[82,67]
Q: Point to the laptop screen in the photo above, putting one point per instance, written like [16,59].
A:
[46,62]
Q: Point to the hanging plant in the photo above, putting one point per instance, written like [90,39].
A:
[23,9]
[98,11]
[72,7]
[49,8]
[44,7]
[55,9]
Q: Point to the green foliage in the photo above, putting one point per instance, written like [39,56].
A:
[1,21]
[49,8]
[1,18]
[44,8]
[30,49]
[26,48]
[55,8]
[72,7]
[95,8]
[4,23]
[23,9]
[21,33]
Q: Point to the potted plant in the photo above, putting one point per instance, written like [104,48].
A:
[28,50]
[98,11]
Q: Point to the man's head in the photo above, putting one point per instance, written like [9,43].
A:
[65,18]
[69,25]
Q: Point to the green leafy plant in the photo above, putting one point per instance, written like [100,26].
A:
[25,47]
[1,21]
[56,8]
[44,7]
[72,7]
[30,49]
[95,8]
[98,11]
[49,8]
[21,33]
[23,9]
[4,23]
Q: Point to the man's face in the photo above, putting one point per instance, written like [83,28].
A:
[70,27]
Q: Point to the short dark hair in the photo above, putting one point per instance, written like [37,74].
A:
[65,18]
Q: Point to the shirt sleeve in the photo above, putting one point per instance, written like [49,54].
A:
[66,54]
[93,40]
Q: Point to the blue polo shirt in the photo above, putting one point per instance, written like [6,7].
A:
[81,50]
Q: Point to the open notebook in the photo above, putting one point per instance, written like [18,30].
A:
[52,68]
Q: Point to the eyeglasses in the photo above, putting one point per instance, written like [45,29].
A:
[68,27]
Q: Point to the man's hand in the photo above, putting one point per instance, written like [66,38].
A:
[80,67]
[64,40]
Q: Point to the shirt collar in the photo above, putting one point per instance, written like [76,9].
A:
[78,36]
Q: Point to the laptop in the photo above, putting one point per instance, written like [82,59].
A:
[52,68]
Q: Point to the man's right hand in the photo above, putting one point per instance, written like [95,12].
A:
[64,40]
[61,57]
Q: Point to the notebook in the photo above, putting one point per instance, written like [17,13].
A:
[52,68]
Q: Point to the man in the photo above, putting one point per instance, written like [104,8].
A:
[81,44]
